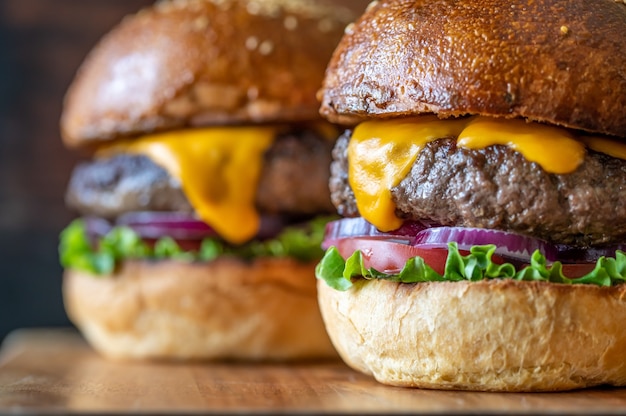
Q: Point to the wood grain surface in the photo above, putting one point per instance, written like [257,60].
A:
[54,371]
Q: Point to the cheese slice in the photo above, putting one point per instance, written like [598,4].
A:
[552,148]
[219,169]
[606,145]
[380,155]
[382,152]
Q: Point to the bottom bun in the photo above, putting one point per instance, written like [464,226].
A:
[224,309]
[497,335]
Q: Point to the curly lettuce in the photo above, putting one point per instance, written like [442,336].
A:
[477,265]
[101,257]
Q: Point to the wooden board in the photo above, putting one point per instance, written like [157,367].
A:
[55,371]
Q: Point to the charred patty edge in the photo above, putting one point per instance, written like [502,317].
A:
[497,188]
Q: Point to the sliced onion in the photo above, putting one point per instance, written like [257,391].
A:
[97,227]
[419,234]
[358,227]
[514,246]
[177,225]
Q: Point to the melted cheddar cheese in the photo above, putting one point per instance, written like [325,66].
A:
[218,168]
[552,148]
[381,153]
[605,145]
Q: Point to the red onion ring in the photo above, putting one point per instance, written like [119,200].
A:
[358,227]
[514,246]
[97,227]
[153,225]
[178,225]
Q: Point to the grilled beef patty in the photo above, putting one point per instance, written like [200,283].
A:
[498,188]
[294,181]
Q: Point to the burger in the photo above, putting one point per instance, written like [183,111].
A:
[204,197]
[483,181]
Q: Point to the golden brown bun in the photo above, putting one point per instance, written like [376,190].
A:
[225,309]
[500,335]
[547,60]
[200,62]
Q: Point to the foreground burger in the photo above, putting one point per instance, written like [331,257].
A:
[486,181]
[201,227]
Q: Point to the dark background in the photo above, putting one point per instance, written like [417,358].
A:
[42,43]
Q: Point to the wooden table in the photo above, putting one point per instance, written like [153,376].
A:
[54,371]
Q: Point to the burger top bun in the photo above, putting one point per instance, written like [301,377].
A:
[558,61]
[202,62]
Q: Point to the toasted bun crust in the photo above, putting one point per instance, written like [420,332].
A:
[555,61]
[225,309]
[500,335]
[202,62]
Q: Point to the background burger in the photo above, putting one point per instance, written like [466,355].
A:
[201,227]
[486,181]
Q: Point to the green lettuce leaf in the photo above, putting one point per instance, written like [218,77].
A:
[101,257]
[333,267]
[477,265]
